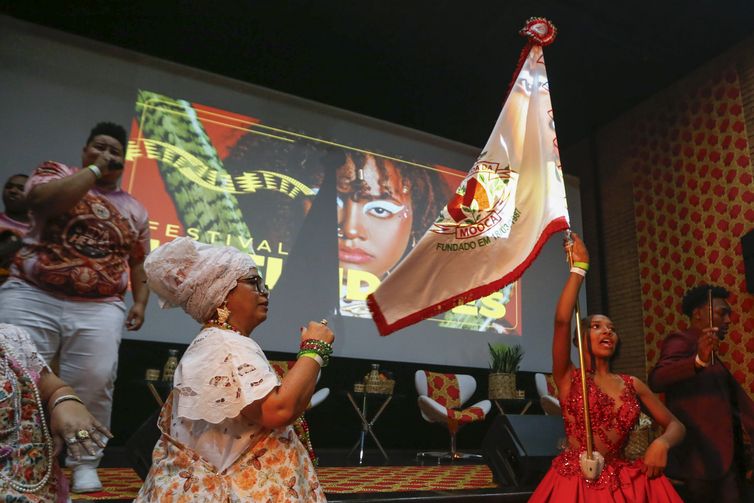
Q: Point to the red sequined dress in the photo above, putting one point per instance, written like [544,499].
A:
[621,480]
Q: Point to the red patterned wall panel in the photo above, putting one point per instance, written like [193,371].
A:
[694,198]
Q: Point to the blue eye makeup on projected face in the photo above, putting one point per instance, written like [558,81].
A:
[382,208]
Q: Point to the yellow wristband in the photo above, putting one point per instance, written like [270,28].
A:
[581,265]
[314,356]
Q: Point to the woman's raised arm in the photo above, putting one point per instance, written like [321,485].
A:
[561,342]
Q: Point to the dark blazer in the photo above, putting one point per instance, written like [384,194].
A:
[709,402]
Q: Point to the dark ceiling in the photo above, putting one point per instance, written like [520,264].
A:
[441,66]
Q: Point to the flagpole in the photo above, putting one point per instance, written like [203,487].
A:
[592,465]
[580,345]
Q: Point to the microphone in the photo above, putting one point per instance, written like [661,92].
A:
[710,314]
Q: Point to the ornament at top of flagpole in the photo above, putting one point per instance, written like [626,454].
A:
[539,30]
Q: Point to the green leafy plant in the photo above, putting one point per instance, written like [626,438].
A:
[505,359]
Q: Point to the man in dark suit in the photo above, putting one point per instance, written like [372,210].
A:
[705,397]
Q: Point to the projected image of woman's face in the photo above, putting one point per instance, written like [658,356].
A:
[375,215]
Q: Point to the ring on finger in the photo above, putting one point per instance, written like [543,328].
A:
[82,435]
[323,321]
[71,440]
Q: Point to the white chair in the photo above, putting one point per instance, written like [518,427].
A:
[550,404]
[319,396]
[441,403]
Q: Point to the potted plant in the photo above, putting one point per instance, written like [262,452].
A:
[504,363]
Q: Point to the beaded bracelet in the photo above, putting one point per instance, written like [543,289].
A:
[316,345]
[65,398]
[325,359]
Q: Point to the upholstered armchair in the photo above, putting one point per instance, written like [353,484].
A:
[441,397]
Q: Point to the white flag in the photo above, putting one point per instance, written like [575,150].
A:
[512,200]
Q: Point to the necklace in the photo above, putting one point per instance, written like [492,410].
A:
[214,322]
[11,370]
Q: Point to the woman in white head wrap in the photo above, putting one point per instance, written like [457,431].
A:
[226,433]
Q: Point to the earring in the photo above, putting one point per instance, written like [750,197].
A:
[340,232]
[223,313]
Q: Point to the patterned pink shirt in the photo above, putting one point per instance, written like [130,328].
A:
[16,227]
[84,253]
[7,224]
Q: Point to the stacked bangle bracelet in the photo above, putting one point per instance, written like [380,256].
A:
[65,398]
[319,351]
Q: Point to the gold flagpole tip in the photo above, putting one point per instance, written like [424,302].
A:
[539,30]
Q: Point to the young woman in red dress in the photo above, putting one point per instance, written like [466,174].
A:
[615,401]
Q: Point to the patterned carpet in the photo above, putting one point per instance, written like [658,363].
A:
[123,483]
[119,484]
[376,479]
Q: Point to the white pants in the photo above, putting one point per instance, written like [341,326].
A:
[86,334]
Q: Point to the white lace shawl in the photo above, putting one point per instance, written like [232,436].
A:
[17,342]
[221,373]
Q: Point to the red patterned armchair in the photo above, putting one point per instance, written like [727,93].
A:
[440,399]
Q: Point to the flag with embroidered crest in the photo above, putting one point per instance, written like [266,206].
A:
[511,201]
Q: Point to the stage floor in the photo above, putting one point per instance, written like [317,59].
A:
[464,481]
[375,480]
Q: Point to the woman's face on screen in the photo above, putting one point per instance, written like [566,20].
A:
[374,216]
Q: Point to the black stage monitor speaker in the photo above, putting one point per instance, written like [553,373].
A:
[747,250]
[519,449]
[139,447]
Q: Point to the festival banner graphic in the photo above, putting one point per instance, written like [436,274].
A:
[229,179]
[511,201]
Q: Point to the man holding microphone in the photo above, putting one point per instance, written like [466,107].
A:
[707,399]
[68,281]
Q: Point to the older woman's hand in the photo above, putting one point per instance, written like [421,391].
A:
[72,424]
[317,330]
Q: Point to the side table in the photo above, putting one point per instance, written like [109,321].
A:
[367,424]
[500,403]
